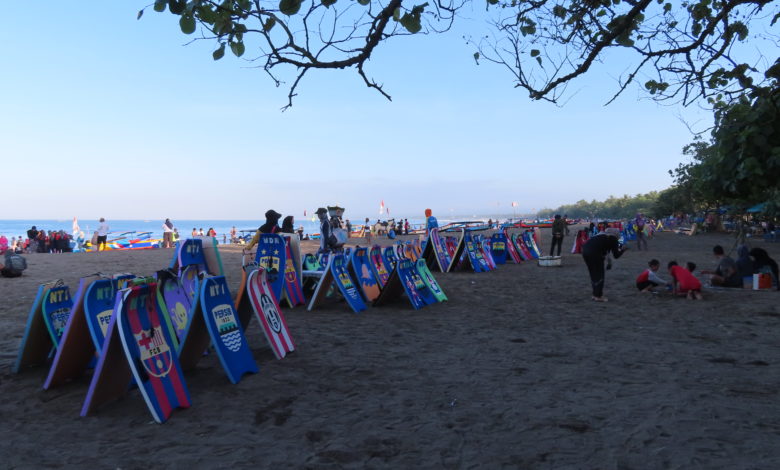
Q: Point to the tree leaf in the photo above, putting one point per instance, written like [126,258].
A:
[159,5]
[476,57]
[397,14]
[328,3]
[411,23]
[534,52]
[290,7]
[364,2]
[219,53]
[269,24]
[187,24]
[176,6]
[237,48]
[140,14]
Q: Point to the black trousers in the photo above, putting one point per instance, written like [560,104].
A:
[596,270]
[556,241]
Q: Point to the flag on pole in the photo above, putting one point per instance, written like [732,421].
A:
[382,207]
[304,212]
[514,204]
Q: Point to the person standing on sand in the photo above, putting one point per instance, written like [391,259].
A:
[167,234]
[288,224]
[639,221]
[594,252]
[102,232]
[558,231]
[233,234]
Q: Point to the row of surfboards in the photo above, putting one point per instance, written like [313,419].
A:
[472,251]
[147,331]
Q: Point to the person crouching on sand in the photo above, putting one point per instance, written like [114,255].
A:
[595,251]
[649,279]
[684,282]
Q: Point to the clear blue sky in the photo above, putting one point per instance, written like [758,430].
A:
[104,115]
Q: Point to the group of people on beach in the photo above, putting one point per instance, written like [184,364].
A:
[38,241]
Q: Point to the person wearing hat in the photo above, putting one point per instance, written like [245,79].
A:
[322,213]
[595,251]
[271,225]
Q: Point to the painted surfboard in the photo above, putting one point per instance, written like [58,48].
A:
[56,307]
[211,255]
[189,278]
[522,250]
[498,248]
[36,341]
[364,275]
[344,283]
[381,273]
[175,302]
[451,243]
[189,252]
[75,351]
[510,248]
[406,273]
[323,259]
[293,293]
[392,291]
[269,314]
[99,302]
[389,257]
[487,253]
[150,353]
[224,327]
[421,286]
[311,263]
[460,259]
[443,258]
[531,244]
[430,281]
[271,257]
[474,254]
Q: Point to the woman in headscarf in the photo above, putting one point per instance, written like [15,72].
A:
[288,224]
[595,251]
[270,226]
[764,263]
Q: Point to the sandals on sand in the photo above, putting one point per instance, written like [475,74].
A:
[599,299]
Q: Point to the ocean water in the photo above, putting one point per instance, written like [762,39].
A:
[16,228]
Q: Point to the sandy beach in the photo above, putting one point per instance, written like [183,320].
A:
[520,369]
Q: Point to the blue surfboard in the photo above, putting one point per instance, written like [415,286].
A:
[388,256]
[311,263]
[474,254]
[430,281]
[271,256]
[56,306]
[364,274]
[498,248]
[380,270]
[175,300]
[99,302]
[406,272]
[225,330]
[189,252]
[344,282]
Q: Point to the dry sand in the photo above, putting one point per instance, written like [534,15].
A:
[520,369]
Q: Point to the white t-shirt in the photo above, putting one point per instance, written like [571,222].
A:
[102,229]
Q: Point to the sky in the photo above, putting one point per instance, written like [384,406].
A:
[103,115]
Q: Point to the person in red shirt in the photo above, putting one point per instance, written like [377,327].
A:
[685,282]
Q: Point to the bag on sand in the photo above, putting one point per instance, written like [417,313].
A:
[337,238]
[15,264]
[94,238]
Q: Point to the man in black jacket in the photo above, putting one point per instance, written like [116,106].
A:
[595,251]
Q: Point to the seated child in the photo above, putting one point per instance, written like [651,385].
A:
[649,279]
[684,281]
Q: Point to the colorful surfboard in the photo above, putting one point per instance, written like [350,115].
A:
[149,350]
[269,314]
[413,284]
[56,307]
[474,254]
[175,302]
[36,341]
[189,278]
[344,283]
[389,257]
[189,252]
[510,248]
[363,274]
[498,248]
[293,292]
[99,303]
[211,255]
[224,327]
[381,272]
[484,248]
[75,351]
[311,263]
[443,258]
[271,256]
[430,281]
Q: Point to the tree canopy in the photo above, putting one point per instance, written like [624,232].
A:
[612,208]
[681,50]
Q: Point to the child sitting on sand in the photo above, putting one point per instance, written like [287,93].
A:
[684,282]
[649,279]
